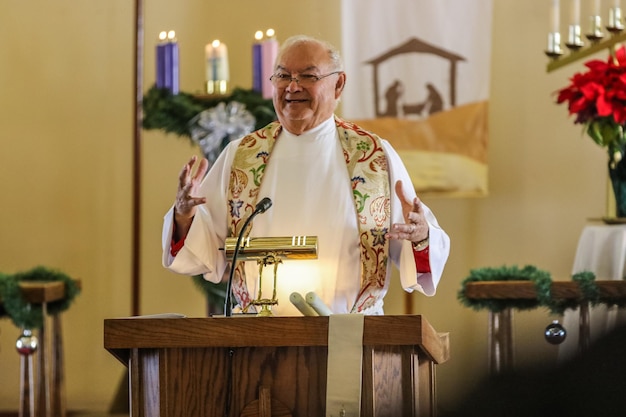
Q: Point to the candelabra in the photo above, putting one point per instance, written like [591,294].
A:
[574,43]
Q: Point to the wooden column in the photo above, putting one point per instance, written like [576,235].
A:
[501,357]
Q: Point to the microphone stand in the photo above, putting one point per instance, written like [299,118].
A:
[261,207]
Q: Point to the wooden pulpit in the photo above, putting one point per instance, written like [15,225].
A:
[271,366]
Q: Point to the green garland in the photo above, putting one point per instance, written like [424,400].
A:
[172,112]
[542,281]
[543,285]
[25,315]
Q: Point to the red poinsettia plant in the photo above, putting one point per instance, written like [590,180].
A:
[598,99]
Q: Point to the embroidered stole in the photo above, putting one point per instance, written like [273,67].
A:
[368,172]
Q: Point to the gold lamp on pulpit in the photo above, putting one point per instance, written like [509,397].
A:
[270,251]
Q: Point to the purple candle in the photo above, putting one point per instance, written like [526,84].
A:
[160,60]
[257,63]
[171,69]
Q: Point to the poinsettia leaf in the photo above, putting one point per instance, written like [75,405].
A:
[593,130]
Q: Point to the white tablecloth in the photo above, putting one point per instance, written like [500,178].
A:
[601,250]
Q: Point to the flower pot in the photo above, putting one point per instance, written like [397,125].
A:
[617,174]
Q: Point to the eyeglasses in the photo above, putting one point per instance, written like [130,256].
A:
[282,79]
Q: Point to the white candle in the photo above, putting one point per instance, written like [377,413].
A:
[216,54]
[596,7]
[554,14]
[575,12]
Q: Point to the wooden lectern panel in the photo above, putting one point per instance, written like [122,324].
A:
[217,366]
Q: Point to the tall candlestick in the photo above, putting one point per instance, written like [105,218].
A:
[269,52]
[573,31]
[257,63]
[595,23]
[615,23]
[217,71]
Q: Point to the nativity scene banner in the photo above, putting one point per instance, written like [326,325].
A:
[418,76]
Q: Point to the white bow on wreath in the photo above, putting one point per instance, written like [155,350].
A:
[214,128]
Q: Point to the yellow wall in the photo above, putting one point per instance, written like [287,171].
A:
[66,163]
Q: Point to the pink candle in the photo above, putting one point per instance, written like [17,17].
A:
[269,51]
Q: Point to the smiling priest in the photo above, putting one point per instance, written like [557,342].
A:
[326,178]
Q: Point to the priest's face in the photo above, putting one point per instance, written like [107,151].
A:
[307,86]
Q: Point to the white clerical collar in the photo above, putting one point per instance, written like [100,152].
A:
[324,128]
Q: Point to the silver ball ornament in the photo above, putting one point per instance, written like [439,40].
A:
[555,333]
[27,343]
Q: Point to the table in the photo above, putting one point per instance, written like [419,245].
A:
[50,369]
[601,250]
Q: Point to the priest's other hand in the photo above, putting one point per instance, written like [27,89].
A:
[415,226]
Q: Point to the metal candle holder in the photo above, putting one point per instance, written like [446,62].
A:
[595,29]
[554,45]
[615,24]
[574,41]
[219,87]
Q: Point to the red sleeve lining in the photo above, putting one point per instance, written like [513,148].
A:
[422,260]
[175,246]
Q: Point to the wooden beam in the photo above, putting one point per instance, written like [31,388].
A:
[526,290]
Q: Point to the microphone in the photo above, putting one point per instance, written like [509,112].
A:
[261,207]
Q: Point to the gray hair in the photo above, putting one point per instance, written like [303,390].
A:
[333,53]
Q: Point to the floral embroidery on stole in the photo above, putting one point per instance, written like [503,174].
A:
[367,167]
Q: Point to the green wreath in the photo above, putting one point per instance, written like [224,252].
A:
[172,112]
[541,279]
[22,313]
[543,287]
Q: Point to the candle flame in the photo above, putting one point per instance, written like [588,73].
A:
[270,33]
[163,35]
[215,43]
[258,35]
[171,34]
